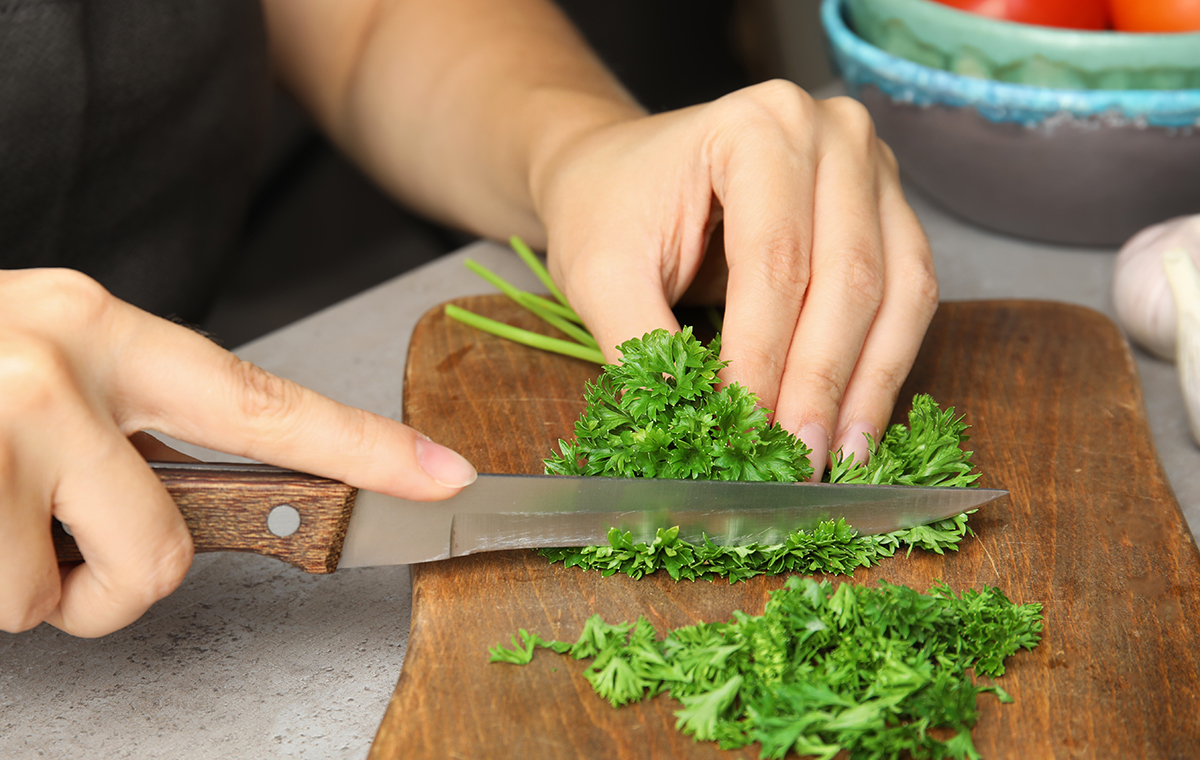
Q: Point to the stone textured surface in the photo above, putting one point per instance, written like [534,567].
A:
[250,658]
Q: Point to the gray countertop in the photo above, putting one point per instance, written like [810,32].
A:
[251,658]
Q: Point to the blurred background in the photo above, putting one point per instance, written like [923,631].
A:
[319,232]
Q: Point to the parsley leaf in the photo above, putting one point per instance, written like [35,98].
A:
[659,414]
[833,547]
[868,670]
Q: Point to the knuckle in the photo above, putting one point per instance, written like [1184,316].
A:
[853,116]
[886,379]
[774,102]
[777,89]
[784,266]
[861,274]
[826,382]
[920,283]
[888,157]
[21,620]
[33,374]
[261,396]
[760,361]
[31,605]
[361,429]
[67,298]
[154,575]
[789,101]
[170,568]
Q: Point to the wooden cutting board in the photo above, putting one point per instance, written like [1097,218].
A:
[1091,530]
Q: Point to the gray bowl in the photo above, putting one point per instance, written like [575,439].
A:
[1088,167]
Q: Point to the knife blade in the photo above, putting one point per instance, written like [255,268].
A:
[321,525]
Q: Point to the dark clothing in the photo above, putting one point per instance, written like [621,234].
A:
[129,142]
[129,131]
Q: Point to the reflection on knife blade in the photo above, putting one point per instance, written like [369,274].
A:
[522,511]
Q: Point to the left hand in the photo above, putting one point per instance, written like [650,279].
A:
[827,278]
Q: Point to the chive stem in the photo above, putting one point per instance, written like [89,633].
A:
[525,337]
[516,294]
[531,260]
[578,333]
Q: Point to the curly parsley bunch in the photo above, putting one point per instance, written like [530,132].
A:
[658,414]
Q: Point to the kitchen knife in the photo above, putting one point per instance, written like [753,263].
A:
[322,525]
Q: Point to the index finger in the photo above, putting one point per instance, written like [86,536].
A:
[624,298]
[184,385]
[765,185]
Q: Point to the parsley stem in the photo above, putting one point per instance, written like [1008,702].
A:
[531,260]
[525,337]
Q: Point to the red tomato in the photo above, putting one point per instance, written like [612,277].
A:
[1156,15]
[1073,14]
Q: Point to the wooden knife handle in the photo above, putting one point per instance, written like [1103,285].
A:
[253,508]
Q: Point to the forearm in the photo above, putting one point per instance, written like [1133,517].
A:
[454,106]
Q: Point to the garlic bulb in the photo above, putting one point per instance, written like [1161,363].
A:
[1145,305]
[1184,279]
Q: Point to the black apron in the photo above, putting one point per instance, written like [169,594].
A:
[129,131]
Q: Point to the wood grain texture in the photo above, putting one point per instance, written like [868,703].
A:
[226,507]
[1091,530]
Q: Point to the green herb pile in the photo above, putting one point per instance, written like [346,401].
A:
[832,548]
[866,670]
[877,672]
[660,414]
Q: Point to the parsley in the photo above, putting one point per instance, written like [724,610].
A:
[832,547]
[927,452]
[659,414]
[865,670]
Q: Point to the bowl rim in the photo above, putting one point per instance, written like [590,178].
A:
[1002,101]
[1007,41]
[1040,30]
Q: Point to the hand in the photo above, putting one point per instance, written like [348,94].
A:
[80,372]
[827,275]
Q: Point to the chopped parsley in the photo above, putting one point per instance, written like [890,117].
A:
[875,671]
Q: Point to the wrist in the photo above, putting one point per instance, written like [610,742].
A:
[561,120]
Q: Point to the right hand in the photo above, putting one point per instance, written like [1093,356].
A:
[80,372]
[826,276]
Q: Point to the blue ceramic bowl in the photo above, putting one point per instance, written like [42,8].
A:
[1069,166]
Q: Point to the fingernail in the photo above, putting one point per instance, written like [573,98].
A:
[815,437]
[444,465]
[854,441]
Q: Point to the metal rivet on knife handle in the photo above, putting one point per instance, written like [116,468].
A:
[227,507]
[283,520]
